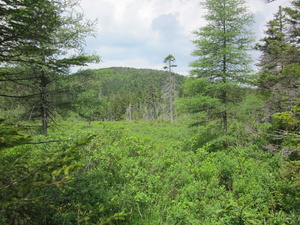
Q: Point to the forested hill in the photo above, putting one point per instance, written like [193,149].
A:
[119,79]
[118,93]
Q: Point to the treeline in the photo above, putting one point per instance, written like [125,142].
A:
[123,94]
[111,94]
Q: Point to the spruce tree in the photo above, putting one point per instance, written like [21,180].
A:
[223,62]
[279,63]
[42,40]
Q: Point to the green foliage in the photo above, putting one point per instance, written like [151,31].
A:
[12,135]
[146,173]
[41,40]
[279,76]
[151,172]
[21,21]
[45,181]
[222,63]
[278,83]
[244,110]
[120,93]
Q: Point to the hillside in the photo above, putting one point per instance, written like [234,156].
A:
[114,93]
[117,79]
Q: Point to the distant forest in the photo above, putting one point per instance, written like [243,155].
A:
[122,94]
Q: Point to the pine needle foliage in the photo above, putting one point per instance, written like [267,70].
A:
[222,56]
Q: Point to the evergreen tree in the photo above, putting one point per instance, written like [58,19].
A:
[279,77]
[274,45]
[34,63]
[152,102]
[25,25]
[278,82]
[223,62]
[279,63]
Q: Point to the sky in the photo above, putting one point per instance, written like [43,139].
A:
[141,33]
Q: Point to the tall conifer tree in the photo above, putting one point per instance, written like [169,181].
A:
[41,40]
[223,62]
[278,79]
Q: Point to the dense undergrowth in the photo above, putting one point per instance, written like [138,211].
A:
[142,173]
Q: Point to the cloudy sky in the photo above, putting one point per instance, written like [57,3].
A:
[141,33]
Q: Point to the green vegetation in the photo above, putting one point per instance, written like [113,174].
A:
[139,146]
[123,93]
[144,172]
[222,64]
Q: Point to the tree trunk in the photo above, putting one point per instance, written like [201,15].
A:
[44,104]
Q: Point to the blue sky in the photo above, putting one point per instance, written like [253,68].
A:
[141,33]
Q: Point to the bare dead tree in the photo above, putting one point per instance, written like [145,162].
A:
[169,89]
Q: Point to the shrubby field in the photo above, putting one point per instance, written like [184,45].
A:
[143,173]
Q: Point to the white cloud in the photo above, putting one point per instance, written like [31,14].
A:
[141,33]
